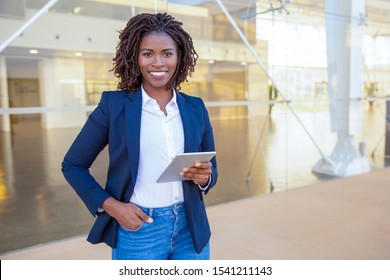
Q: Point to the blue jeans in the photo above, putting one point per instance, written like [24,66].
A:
[167,238]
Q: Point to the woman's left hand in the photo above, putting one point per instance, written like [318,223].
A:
[199,173]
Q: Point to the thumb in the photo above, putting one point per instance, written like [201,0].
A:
[146,218]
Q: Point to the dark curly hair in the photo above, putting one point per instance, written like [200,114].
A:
[126,67]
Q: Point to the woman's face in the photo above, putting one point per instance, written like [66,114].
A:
[157,60]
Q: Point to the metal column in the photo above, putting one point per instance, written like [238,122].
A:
[344,36]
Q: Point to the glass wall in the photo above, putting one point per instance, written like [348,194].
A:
[268,95]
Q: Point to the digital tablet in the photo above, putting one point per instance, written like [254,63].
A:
[171,173]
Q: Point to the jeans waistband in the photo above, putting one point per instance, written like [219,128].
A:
[160,211]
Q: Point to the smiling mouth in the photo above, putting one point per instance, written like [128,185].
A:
[157,74]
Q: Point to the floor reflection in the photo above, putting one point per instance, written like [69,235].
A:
[37,205]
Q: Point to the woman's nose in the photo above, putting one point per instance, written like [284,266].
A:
[158,61]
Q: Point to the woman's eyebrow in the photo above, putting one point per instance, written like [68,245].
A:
[164,50]
[146,49]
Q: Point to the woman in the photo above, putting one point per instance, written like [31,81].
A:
[145,123]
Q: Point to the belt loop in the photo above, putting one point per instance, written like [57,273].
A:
[150,212]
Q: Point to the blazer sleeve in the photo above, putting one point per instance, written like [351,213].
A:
[91,140]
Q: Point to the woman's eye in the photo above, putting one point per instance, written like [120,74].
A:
[147,54]
[168,54]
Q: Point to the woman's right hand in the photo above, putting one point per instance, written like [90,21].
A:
[128,215]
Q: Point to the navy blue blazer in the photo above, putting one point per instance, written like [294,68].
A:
[116,122]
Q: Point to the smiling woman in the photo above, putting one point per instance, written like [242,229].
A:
[145,124]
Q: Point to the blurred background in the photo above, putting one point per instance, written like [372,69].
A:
[297,92]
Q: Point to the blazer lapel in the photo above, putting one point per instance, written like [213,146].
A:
[133,111]
[188,118]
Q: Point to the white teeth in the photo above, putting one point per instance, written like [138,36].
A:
[157,73]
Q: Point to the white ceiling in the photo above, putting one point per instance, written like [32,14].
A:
[377,18]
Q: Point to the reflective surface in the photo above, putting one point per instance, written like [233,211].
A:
[38,206]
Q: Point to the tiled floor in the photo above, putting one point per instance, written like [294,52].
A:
[343,219]
[37,206]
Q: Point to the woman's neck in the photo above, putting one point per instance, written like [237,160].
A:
[162,96]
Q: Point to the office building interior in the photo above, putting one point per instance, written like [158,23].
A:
[297,93]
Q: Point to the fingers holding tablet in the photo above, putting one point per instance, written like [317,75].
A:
[199,173]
